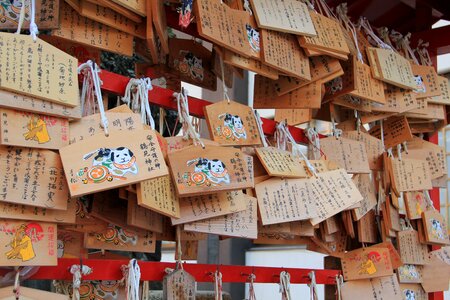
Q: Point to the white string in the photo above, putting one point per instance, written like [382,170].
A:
[313,286]
[247,7]
[183,114]
[92,68]
[384,34]
[285,285]
[224,86]
[32,12]
[283,135]
[77,271]
[382,135]
[422,50]
[218,285]
[403,43]
[259,123]
[399,151]
[335,131]
[132,276]
[136,96]
[251,288]
[328,11]
[314,147]
[339,283]
[364,23]
[179,251]
[341,11]
[16,288]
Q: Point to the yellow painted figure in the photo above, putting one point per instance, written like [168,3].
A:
[22,246]
[37,131]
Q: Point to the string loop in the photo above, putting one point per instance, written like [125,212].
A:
[78,271]
[132,276]
[136,97]
[32,12]
[285,285]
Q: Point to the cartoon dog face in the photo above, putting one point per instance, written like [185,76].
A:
[410,295]
[216,166]
[195,65]
[234,121]
[121,155]
[420,86]
[253,37]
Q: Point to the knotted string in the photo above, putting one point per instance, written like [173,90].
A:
[251,288]
[402,43]
[218,285]
[136,97]
[132,276]
[424,55]
[364,23]
[336,132]
[183,115]
[339,283]
[91,79]
[313,286]
[259,123]
[224,86]
[179,251]
[16,289]
[314,146]
[32,12]
[341,11]
[285,285]
[247,7]
[77,271]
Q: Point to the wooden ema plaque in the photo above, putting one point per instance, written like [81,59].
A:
[136,6]
[437,264]
[249,63]
[366,86]
[273,207]
[367,228]
[411,250]
[143,218]
[120,239]
[431,112]
[396,130]
[435,228]
[274,47]
[208,206]
[71,245]
[349,154]
[28,243]
[158,15]
[386,287]
[426,78]
[100,163]
[329,36]
[179,285]
[159,194]
[32,177]
[8,293]
[433,154]
[398,100]
[192,63]
[409,274]
[241,224]
[109,17]
[232,124]
[280,163]
[444,88]
[38,69]
[77,28]
[265,95]
[199,171]
[18,128]
[222,25]
[33,213]
[366,263]
[47,14]
[411,175]
[374,147]
[415,204]
[413,291]
[391,67]
[293,116]
[286,16]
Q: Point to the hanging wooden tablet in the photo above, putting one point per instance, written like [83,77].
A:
[293,116]
[286,16]
[435,155]
[33,213]
[329,36]
[241,224]
[391,67]
[136,6]
[367,228]
[411,250]
[109,17]
[274,47]
[158,15]
[222,25]
[179,284]
[413,291]
[397,100]
[409,274]
[354,103]
[38,69]
[349,154]
[121,239]
[192,62]
[366,86]
[32,177]
[366,187]
[374,147]
[396,130]
[444,88]
[280,163]
[394,218]
[143,218]
[348,224]
[159,195]
[18,128]
[277,228]
[426,79]
[119,9]
[189,250]
[47,14]
[77,28]
[107,207]
[372,289]
[432,156]
[265,95]
[250,64]
[435,274]
[344,84]
[435,227]
[364,263]
[100,163]
[197,171]
[274,209]
[70,244]
[202,207]
[411,175]
[393,253]
[28,243]
[8,293]
[431,112]
[232,123]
